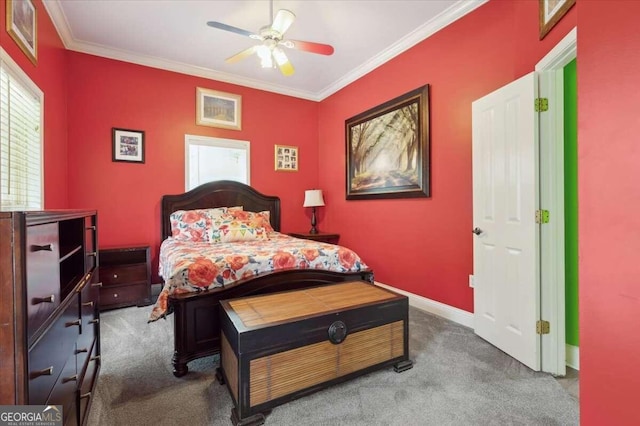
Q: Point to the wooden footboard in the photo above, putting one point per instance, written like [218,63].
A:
[196,320]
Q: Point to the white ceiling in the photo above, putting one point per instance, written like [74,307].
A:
[173,35]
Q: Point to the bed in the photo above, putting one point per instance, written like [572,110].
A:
[196,315]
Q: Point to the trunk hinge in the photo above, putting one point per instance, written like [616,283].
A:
[541,104]
[542,327]
[542,216]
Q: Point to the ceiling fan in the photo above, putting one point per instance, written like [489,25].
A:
[272,37]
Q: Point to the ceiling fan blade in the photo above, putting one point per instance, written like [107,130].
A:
[309,46]
[283,62]
[283,20]
[221,26]
[241,55]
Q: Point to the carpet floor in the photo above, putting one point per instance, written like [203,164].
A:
[457,379]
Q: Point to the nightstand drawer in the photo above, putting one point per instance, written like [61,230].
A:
[124,295]
[123,274]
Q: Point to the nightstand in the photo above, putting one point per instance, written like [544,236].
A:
[125,273]
[320,236]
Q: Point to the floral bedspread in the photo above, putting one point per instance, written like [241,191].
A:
[197,266]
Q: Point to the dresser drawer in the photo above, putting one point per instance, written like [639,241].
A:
[65,390]
[43,270]
[50,353]
[123,295]
[123,274]
[88,382]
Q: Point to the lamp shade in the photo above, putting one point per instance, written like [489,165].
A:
[313,198]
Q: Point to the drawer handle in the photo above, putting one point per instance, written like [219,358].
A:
[73,378]
[89,304]
[83,350]
[77,322]
[96,285]
[115,276]
[95,358]
[115,295]
[95,321]
[91,228]
[45,372]
[46,247]
[48,299]
[85,395]
[93,253]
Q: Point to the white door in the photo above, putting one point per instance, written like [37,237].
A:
[505,198]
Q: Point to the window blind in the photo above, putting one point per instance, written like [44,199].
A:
[20,140]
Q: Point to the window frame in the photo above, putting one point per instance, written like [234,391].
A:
[18,74]
[190,140]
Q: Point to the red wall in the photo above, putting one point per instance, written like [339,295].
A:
[609,224]
[107,93]
[51,77]
[479,53]
[424,246]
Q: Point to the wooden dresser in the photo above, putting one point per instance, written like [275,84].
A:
[49,310]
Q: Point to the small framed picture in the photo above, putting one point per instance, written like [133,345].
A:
[286,158]
[218,109]
[128,145]
[22,27]
[550,12]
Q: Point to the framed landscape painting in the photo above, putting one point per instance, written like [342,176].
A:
[550,12]
[22,27]
[388,149]
[218,109]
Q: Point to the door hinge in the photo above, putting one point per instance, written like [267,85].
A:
[541,104]
[542,327]
[542,216]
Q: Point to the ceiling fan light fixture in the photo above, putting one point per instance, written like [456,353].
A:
[264,53]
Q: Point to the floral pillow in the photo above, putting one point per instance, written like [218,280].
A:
[192,225]
[256,220]
[228,229]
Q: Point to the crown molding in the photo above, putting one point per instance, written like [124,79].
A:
[452,14]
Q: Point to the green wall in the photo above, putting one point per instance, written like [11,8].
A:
[571,202]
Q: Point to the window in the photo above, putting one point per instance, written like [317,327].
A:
[21,119]
[208,159]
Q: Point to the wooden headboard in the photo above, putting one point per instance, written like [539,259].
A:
[222,193]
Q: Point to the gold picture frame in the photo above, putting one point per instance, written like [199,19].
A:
[218,109]
[286,158]
[550,12]
[22,19]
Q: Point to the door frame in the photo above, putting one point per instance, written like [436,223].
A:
[552,265]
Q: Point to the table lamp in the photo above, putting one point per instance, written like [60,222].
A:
[313,198]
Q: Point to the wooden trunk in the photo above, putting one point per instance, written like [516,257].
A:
[281,346]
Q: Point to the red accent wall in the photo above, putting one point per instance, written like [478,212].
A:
[106,93]
[609,224]
[424,246]
[50,75]
[472,57]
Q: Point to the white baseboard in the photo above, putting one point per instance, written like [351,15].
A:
[457,315]
[573,357]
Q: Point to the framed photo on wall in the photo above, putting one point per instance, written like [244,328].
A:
[218,109]
[388,149]
[550,12]
[128,145]
[286,158]
[22,27]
